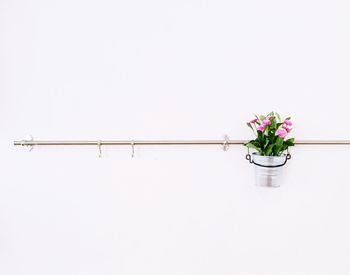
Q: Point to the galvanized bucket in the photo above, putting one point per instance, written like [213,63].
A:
[268,169]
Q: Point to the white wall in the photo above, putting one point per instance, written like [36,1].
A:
[171,70]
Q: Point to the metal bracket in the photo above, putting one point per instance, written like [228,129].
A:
[226,144]
[25,145]
[132,143]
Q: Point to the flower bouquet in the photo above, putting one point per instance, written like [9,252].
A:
[270,146]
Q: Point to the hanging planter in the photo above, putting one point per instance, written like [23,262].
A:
[270,146]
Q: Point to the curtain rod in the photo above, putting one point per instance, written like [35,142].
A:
[27,142]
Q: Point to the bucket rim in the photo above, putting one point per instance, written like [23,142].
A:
[255,154]
[282,155]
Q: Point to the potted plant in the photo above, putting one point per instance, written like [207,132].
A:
[270,146]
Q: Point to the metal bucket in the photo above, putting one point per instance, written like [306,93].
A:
[268,169]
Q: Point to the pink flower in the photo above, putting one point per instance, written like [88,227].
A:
[261,128]
[266,122]
[253,120]
[288,129]
[288,122]
[281,132]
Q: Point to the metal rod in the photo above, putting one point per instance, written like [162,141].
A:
[166,142]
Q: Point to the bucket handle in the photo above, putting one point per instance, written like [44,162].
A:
[250,159]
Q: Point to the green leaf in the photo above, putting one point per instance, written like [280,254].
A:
[269,150]
[258,122]
[278,125]
[252,146]
[278,147]
[267,129]
[279,141]
[284,147]
[250,126]
[289,142]
[277,150]
[255,142]
[279,117]
[273,124]
[266,143]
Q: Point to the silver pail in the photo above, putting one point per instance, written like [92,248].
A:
[268,169]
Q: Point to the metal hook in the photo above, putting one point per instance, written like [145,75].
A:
[289,156]
[132,148]
[248,156]
[28,147]
[99,149]
[226,145]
